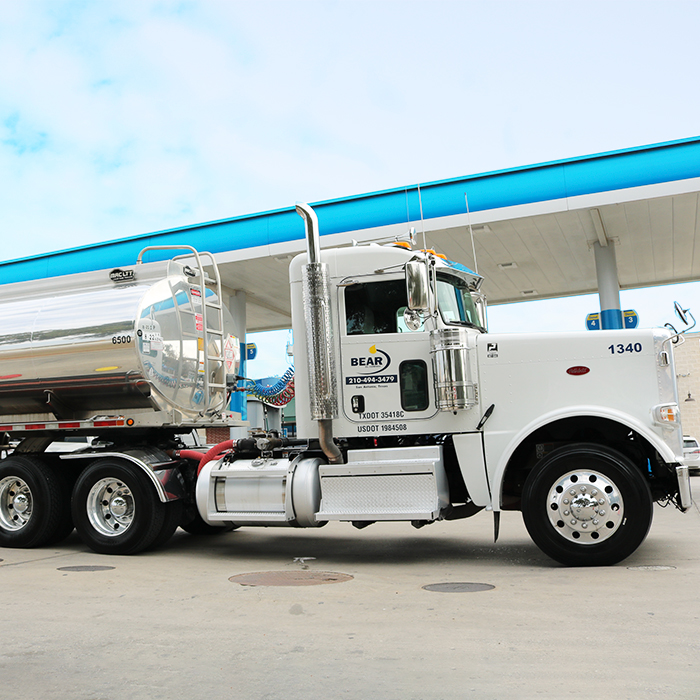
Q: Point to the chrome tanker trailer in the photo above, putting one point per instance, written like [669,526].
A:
[135,359]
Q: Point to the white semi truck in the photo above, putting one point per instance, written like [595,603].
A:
[407,410]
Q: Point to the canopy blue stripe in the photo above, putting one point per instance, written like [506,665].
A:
[604,172]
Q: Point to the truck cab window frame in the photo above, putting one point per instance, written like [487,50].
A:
[455,302]
[414,385]
[375,307]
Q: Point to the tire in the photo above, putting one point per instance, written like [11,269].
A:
[173,516]
[34,504]
[611,515]
[65,526]
[116,509]
[194,524]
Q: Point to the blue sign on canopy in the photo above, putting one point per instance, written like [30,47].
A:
[630,319]
[593,322]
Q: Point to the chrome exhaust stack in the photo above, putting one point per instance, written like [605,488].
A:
[319,337]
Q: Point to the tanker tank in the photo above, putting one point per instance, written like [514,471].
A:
[78,345]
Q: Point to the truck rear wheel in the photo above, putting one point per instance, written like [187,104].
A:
[193,523]
[116,509]
[173,516]
[34,504]
[587,505]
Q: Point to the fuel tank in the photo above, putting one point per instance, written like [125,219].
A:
[153,336]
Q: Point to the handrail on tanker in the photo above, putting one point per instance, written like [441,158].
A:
[206,329]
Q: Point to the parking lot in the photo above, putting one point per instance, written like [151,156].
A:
[171,623]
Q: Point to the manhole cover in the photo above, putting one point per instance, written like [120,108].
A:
[651,567]
[85,568]
[458,587]
[290,578]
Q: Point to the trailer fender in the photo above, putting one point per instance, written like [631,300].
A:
[164,475]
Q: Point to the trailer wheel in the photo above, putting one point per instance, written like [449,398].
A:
[586,505]
[34,504]
[116,509]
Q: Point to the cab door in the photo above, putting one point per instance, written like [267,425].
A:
[386,372]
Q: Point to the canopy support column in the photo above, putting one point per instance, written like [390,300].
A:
[608,286]
[235,301]
[606,272]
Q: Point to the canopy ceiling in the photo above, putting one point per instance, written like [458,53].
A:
[533,230]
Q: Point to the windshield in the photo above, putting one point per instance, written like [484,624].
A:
[455,302]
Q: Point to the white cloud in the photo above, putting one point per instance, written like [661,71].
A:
[119,118]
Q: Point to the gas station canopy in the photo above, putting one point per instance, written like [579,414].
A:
[541,231]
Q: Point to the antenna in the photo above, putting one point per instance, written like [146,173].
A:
[422,225]
[411,229]
[471,233]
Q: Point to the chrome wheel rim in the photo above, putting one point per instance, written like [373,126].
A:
[585,507]
[110,507]
[16,503]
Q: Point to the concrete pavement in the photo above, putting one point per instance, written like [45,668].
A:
[170,624]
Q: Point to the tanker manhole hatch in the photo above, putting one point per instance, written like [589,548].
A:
[458,587]
[290,578]
[92,567]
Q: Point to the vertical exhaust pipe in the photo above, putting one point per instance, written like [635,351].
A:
[319,337]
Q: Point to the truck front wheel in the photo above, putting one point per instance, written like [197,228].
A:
[587,505]
[116,509]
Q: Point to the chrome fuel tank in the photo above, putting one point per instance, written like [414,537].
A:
[115,340]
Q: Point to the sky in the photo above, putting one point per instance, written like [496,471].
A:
[119,118]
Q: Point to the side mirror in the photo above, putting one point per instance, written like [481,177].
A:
[681,312]
[480,306]
[417,286]
[685,316]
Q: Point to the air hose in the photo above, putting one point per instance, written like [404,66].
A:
[204,457]
[278,394]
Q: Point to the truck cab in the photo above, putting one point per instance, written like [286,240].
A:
[383,349]
[513,421]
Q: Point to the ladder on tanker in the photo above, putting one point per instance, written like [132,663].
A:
[209,331]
